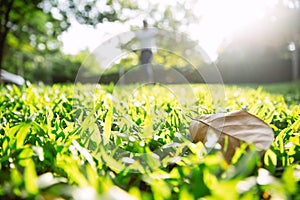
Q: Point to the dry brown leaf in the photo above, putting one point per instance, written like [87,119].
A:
[232,128]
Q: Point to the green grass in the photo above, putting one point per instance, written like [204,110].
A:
[102,142]
[290,90]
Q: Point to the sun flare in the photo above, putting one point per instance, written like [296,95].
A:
[222,19]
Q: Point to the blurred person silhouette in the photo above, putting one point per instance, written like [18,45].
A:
[146,37]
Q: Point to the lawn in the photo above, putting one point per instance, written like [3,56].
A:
[132,142]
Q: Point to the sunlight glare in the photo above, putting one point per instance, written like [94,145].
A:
[232,15]
[222,19]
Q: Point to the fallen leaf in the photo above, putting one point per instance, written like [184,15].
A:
[231,129]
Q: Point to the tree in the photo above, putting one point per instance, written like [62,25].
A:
[32,25]
[262,55]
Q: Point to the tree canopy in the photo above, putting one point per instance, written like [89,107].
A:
[29,29]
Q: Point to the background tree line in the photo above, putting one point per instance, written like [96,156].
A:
[30,30]
[30,45]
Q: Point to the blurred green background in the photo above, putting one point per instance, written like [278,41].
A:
[249,41]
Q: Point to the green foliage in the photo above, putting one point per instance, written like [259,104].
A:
[30,30]
[99,142]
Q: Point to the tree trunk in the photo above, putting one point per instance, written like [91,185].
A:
[295,64]
[6,7]
[2,44]
[295,60]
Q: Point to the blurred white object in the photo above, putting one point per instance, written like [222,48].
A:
[8,77]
